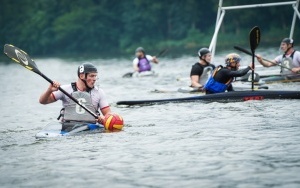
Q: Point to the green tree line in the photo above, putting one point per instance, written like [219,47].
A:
[84,27]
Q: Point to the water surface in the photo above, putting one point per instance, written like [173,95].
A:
[243,144]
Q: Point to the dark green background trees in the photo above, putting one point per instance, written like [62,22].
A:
[85,27]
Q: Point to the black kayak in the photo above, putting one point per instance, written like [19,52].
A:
[235,96]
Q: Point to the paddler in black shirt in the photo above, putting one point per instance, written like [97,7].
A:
[202,69]
[222,77]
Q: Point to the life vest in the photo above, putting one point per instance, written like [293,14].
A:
[205,74]
[144,65]
[287,62]
[73,112]
[216,87]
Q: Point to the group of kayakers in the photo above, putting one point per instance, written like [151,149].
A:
[204,76]
[221,77]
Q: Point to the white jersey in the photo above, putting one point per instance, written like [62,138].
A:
[296,59]
[97,95]
[136,60]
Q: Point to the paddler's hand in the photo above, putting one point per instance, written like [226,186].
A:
[155,60]
[54,86]
[296,70]
[251,66]
[100,119]
[259,58]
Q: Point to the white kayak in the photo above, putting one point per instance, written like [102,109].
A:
[140,74]
[58,129]
[145,74]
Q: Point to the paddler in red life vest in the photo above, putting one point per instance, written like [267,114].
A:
[202,69]
[222,77]
[83,90]
[142,61]
[289,59]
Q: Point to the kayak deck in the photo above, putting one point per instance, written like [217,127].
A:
[58,129]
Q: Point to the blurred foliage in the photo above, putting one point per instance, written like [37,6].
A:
[84,27]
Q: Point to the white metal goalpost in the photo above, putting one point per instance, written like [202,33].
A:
[222,10]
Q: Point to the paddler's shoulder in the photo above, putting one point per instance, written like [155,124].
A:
[197,64]
[97,89]
[297,52]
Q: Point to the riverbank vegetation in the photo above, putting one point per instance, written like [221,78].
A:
[117,27]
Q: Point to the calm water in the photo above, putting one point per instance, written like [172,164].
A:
[245,144]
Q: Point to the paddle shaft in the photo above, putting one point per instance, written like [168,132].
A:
[249,53]
[254,39]
[253,67]
[162,52]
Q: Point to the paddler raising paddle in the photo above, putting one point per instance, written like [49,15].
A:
[83,90]
[222,77]
[289,59]
[201,69]
[142,61]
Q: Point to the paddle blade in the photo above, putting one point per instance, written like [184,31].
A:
[21,57]
[127,75]
[254,38]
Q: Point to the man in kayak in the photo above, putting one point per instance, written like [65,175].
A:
[83,90]
[201,69]
[222,77]
[290,58]
[142,61]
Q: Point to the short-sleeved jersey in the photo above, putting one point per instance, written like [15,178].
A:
[98,96]
[296,59]
[197,69]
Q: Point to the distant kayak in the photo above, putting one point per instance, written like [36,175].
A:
[140,74]
[58,129]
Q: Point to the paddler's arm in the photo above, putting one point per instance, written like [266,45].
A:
[155,60]
[240,73]
[47,96]
[195,81]
[136,68]
[135,63]
[265,63]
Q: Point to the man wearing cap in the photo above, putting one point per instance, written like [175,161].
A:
[142,61]
[290,58]
[202,69]
[83,90]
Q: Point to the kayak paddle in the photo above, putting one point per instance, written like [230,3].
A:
[254,38]
[129,74]
[22,58]
[249,53]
